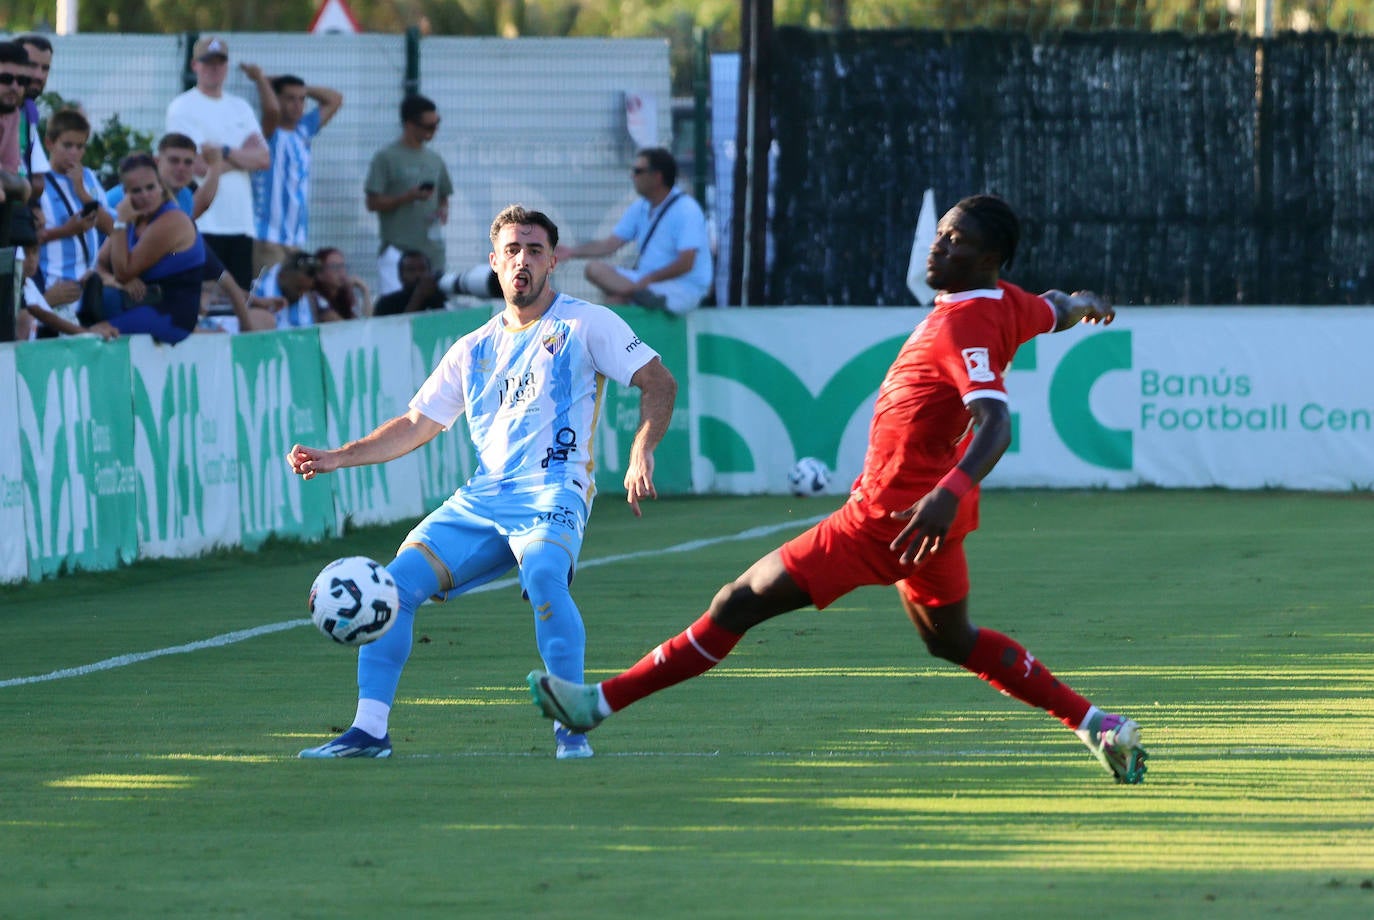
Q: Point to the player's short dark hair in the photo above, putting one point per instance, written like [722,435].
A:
[415,105]
[64,120]
[521,216]
[175,140]
[38,41]
[285,80]
[414,254]
[998,223]
[661,162]
[13,53]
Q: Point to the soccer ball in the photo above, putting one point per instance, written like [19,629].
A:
[353,600]
[809,477]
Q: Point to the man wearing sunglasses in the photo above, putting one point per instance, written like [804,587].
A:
[408,188]
[672,271]
[39,50]
[14,80]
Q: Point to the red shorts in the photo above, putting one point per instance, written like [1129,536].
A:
[852,548]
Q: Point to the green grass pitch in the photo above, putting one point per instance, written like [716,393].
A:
[827,769]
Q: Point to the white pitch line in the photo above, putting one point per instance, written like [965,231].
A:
[120,661]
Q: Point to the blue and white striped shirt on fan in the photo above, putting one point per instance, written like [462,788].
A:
[66,257]
[281,193]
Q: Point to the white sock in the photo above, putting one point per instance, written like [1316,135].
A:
[1092,713]
[603,708]
[372,716]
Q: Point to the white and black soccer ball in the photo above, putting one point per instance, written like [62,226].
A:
[808,477]
[353,600]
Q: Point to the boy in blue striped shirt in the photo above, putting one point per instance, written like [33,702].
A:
[74,209]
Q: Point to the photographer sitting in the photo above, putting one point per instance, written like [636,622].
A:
[424,289]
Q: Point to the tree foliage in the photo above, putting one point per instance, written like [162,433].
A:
[669,18]
[677,20]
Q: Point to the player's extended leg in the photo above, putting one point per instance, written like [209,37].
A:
[1007,666]
[558,628]
[380,664]
[764,591]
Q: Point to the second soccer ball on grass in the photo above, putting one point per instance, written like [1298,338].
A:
[808,477]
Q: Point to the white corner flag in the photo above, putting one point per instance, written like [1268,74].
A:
[920,246]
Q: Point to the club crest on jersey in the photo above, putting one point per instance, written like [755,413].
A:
[979,365]
[553,342]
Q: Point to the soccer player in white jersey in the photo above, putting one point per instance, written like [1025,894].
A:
[529,383]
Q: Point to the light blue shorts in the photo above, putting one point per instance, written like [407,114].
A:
[471,540]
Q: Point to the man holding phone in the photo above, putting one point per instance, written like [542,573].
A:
[408,188]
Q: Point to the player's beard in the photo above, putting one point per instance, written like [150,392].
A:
[531,293]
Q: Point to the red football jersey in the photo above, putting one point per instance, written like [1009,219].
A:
[959,353]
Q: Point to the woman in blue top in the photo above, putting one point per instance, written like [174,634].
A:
[156,254]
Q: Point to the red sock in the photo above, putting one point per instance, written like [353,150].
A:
[693,651]
[1002,662]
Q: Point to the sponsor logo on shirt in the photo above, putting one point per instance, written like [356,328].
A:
[634,344]
[565,442]
[516,390]
[978,364]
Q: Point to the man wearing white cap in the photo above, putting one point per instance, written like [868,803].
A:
[226,123]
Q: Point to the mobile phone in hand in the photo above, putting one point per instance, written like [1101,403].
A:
[89,208]
[426,186]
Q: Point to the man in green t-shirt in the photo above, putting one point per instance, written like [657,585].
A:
[408,188]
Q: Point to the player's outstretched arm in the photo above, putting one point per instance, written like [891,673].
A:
[1080,307]
[389,440]
[657,391]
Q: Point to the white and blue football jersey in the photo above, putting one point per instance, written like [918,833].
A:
[532,394]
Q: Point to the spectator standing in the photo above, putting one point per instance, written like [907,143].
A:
[281,193]
[215,119]
[14,80]
[39,50]
[408,188]
[673,270]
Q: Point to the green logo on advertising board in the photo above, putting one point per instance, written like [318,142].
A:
[168,431]
[1070,407]
[76,441]
[279,395]
[357,403]
[813,423]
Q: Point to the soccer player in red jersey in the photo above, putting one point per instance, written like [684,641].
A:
[940,424]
